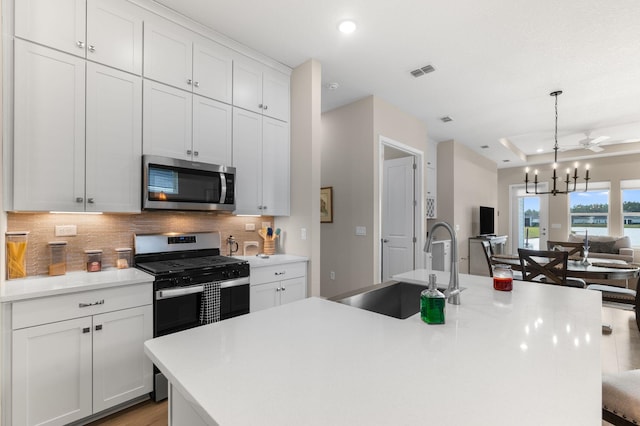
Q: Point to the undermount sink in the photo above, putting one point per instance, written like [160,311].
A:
[398,300]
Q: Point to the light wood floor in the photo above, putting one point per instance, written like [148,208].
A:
[620,352]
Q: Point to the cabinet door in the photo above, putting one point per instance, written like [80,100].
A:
[51,373]
[264,296]
[114,34]
[293,289]
[275,94]
[59,24]
[114,140]
[247,85]
[212,71]
[168,55]
[247,159]
[167,121]
[275,167]
[49,131]
[121,370]
[212,131]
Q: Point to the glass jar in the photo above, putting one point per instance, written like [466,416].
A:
[58,258]
[16,256]
[123,258]
[93,260]
[502,277]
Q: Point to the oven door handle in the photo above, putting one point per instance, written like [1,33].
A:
[168,294]
[234,283]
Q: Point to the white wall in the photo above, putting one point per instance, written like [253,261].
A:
[466,180]
[306,87]
[350,161]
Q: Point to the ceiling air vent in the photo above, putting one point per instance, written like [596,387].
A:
[446,119]
[422,71]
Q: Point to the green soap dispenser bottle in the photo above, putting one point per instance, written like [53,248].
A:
[432,303]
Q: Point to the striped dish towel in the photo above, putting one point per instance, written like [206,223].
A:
[210,306]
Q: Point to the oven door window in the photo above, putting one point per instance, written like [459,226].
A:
[177,314]
[177,184]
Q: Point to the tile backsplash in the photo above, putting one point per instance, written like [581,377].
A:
[110,231]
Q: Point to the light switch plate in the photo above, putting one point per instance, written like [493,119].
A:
[361,230]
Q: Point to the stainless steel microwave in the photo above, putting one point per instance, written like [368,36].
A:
[173,184]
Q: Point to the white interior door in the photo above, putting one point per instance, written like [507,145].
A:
[398,210]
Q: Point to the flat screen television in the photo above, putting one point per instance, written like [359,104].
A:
[486,220]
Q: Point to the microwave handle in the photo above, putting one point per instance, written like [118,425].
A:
[223,188]
[168,294]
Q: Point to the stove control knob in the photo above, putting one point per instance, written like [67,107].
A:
[225,274]
[236,273]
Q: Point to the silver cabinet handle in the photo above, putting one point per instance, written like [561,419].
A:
[259,207]
[280,273]
[196,83]
[90,200]
[79,199]
[385,240]
[278,289]
[86,305]
[91,48]
[195,153]
[282,288]
[80,44]
[98,327]
[189,81]
[264,207]
[183,291]
[188,152]
[86,330]
[266,107]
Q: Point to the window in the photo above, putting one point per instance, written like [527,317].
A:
[631,210]
[589,211]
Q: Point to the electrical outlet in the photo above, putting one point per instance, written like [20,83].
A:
[249,226]
[303,233]
[66,230]
[332,275]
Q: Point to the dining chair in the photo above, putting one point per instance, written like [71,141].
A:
[547,266]
[573,249]
[488,252]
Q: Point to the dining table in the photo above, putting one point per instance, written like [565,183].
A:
[594,270]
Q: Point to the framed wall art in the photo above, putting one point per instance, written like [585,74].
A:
[326,204]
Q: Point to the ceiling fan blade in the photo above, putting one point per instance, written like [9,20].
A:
[598,140]
[595,148]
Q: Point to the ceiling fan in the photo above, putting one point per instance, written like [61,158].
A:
[590,143]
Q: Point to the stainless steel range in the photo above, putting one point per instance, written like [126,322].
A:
[194,285]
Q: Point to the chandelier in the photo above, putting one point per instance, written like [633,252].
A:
[555,191]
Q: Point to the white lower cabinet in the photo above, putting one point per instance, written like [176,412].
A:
[278,284]
[63,371]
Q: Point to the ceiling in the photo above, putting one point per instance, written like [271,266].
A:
[496,61]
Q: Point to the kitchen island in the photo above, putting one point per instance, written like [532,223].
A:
[527,357]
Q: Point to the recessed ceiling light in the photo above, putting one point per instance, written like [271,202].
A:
[347,26]
[540,150]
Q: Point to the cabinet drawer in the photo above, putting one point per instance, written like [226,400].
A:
[267,274]
[45,310]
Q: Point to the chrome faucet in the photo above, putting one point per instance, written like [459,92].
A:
[453,290]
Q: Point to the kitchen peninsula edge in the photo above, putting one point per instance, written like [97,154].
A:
[531,356]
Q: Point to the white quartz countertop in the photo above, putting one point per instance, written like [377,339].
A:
[71,282]
[526,357]
[274,259]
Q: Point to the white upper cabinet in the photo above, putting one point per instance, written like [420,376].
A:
[59,24]
[114,34]
[179,58]
[212,131]
[49,129]
[167,121]
[260,89]
[212,71]
[114,140]
[105,31]
[261,159]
